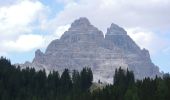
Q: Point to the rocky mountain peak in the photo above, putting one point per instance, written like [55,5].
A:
[118,36]
[146,54]
[82,21]
[116,30]
[82,26]
[82,30]
[84,45]
[38,55]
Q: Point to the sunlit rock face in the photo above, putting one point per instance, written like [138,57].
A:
[83,45]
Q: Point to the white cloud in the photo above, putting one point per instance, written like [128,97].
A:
[55,35]
[18,19]
[145,39]
[149,16]
[24,43]
[60,30]
[152,14]
[16,25]
[15,19]
[154,42]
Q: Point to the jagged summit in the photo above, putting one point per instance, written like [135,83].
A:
[38,55]
[82,21]
[116,30]
[119,37]
[84,45]
[81,30]
[82,25]
[38,52]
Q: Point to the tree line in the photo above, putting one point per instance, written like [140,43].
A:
[29,84]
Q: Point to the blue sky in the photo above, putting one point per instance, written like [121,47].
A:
[27,25]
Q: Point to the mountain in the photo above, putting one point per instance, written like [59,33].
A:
[85,45]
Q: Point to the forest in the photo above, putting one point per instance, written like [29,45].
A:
[28,84]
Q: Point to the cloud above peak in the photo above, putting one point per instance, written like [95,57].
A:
[152,14]
[144,20]
[25,17]
[37,22]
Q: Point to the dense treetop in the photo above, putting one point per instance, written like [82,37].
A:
[29,84]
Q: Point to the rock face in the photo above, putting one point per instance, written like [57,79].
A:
[84,45]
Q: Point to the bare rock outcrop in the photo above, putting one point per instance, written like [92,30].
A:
[85,45]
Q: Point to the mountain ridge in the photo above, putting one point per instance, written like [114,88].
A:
[85,45]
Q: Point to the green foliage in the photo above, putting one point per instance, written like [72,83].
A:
[86,78]
[29,84]
[131,94]
[65,82]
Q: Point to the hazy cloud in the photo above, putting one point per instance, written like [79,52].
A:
[129,13]
[24,43]
[16,24]
[149,17]
[148,39]
[20,19]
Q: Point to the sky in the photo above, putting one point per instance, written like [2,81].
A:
[27,25]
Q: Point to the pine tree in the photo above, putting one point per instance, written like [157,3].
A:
[76,80]
[65,81]
[131,94]
[86,78]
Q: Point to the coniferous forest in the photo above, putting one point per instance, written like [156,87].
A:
[29,84]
